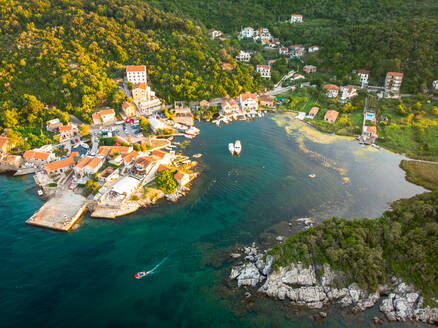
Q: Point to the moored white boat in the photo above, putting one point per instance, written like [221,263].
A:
[231,148]
[84,145]
[237,147]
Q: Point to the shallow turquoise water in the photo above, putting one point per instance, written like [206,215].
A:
[85,277]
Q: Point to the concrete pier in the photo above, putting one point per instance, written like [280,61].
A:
[106,212]
[60,213]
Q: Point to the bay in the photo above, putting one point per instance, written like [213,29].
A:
[85,277]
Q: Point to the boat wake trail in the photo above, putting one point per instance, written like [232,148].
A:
[157,266]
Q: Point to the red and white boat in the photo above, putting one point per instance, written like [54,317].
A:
[140,274]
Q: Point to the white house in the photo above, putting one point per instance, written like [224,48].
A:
[332,90]
[313,49]
[263,34]
[244,56]
[104,116]
[93,166]
[38,157]
[283,51]
[247,32]
[182,178]
[248,101]
[296,18]
[136,74]
[298,77]
[230,106]
[348,92]
[264,70]
[363,76]
[67,132]
[435,84]
[54,168]
[214,33]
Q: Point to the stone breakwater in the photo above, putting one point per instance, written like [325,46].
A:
[312,286]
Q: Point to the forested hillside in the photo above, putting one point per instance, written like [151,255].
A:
[377,35]
[64,53]
[403,242]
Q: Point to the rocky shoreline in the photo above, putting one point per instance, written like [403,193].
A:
[313,286]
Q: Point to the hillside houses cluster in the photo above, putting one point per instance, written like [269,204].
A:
[263,36]
[344,93]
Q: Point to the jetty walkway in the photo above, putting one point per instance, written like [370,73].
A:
[60,213]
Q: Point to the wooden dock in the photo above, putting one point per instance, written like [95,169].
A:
[60,213]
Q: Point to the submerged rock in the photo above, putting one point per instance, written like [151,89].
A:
[377,321]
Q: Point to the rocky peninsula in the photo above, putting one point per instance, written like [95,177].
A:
[316,286]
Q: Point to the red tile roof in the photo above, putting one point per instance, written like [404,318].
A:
[127,158]
[126,105]
[363,71]
[3,141]
[330,87]
[162,167]
[313,111]
[248,95]
[371,129]
[109,111]
[331,115]
[94,162]
[11,158]
[395,74]
[83,162]
[59,164]
[142,86]
[158,153]
[140,68]
[179,175]
[227,67]
[67,127]
[31,154]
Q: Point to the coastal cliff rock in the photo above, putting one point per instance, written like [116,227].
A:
[313,287]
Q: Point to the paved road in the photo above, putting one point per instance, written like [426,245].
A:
[278,91]
[75,120]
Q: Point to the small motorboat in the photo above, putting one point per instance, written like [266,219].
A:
[83,144]
[140,274]
[231,148]
[197,155]
[40,192]
[312,175]
[237,147]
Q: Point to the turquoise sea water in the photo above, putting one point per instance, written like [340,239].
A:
[84,278]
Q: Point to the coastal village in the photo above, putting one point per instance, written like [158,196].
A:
[110,167]
[265,163]
[113,166]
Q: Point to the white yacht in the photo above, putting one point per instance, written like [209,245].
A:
[237,147]
[231,148]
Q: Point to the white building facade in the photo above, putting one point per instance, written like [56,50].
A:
[136,74]
[264,70]
[296,18]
